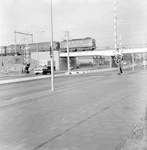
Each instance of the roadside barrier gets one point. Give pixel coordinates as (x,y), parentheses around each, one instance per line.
(97,70)
(91,71)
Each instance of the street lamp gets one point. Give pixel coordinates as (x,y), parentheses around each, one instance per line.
(51,54)
(132,47)
(143,52)
(15,41)
(68,61)
(132,43)
(37,48)
(115,26)
(143,55)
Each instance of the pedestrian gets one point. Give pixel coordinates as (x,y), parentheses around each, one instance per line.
(2,64)
(27,67)
(23,67)
(119,61)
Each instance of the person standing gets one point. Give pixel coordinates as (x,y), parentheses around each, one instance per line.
(2,64)
(27,67)
(119,61)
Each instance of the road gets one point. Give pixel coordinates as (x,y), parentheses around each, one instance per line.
(19,93)
(32,116)
(13,90)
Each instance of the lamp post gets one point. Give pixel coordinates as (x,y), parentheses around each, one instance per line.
(132,47)
(15,41)
(37,48)
(120,45)
(143,55)
(132,43)
(51,54)
(68,61)
(115,26)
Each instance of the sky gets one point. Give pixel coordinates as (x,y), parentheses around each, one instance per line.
(81,18)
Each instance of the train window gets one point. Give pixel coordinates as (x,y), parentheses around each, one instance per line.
(73,42)
(44,45)
(77,41)
(81,41)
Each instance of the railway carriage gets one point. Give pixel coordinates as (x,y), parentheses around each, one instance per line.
(20,49)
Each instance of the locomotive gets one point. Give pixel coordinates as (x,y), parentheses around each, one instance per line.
(81,44)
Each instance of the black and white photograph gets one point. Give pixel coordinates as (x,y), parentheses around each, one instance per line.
(73,75)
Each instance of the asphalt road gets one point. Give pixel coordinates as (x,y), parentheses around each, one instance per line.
(12,91)
(33,116)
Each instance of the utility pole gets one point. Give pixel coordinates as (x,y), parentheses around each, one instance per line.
(115,26)
(132,47)
(25,34)
(32,37)
(15,42)
(51,54)
(37,48)
(37,54)
(120,43)
(143,54)
(116,50)
(68,61)
(25,39)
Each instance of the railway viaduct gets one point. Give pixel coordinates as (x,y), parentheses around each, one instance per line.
(61,58)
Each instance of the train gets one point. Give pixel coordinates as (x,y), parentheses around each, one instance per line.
(20,49)
(81,44)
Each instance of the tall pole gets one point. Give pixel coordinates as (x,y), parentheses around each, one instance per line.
(115,33)
(51,55)
(26,40)
(132,47)
(15,41)
(143,54)
(37,54)
(120,43)
(115,26)
(121,48)
(37,47)
(68,61)
(32,37)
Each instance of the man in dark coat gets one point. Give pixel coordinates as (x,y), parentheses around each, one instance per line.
(118,61)
(27,67)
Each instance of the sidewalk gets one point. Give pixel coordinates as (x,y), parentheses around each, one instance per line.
(90,116)
(57,73)
(24,77)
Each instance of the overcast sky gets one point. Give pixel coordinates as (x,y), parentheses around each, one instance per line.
(82,18)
